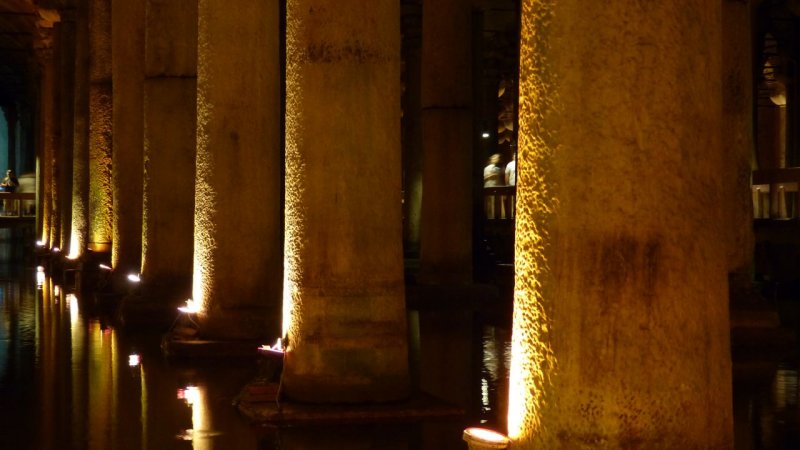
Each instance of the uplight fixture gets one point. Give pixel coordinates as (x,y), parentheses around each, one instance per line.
(276,348)
(485,135)
(56,250)
(134,278)
(103,267)
(190,307)
(40,243)
(484,439)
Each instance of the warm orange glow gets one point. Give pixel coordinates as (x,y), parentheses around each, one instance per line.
(190,307)
(481,438)
(532,361)
(75,245)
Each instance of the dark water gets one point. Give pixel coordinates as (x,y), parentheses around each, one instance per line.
(67,381)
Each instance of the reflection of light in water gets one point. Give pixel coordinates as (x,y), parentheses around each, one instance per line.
(74,313)
(785,389)
(133,360)
(195,397)
(40,277)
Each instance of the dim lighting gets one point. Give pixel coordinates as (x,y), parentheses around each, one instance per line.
(134,360)
(277,348)
(485,135)
(134,278)
(104,267)
(481,438)
(190,308)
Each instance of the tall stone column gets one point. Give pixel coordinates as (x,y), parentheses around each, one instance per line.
(100,127)
(238,239)
(12,119)
(64,176)
(47,143)
(620,326)
(447,180)
(128,138)
(344,293)
(170,120)
(738,134)
(77,232)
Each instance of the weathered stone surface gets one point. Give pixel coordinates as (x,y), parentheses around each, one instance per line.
(128,137)
(344,277)
(446,90)
(100,208)
(621,335)
(238,238)
(77,234)
(170,123)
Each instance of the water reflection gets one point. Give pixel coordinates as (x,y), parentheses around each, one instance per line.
(66,381)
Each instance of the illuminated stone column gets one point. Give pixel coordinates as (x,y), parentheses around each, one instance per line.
(238,239)
(47,143)
(62,195)
(620,327)
(447,180)
(170,105)
(128,137)
(77,234)
(100,127)
(344,293)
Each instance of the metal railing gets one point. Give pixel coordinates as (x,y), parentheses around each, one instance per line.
(499,203)
(17,205)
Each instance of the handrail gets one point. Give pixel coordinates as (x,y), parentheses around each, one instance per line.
(17,205)
(499,202)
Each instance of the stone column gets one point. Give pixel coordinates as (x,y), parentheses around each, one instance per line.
(738,134)
(100,127)
(446,230)
(344,293)
(128,137)
(238,239)
(170,105)
(47,143)
(62,195)
(11,120)
(620,327)
(77,233)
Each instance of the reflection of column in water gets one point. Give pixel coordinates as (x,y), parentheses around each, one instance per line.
(195,397)
(785,389)
(100,385)
(494,374)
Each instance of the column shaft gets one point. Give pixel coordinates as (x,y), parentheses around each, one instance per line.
(100,228)
(128,137)
(344,293)
(78,233)
(170,105)
(737,132)
(620,329)
(63,183)
(446,230)
(238,257)
(47,144)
